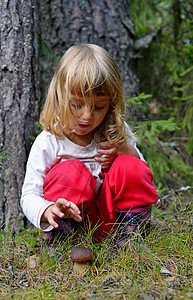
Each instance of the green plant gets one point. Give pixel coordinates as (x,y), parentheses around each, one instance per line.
(2,156)
(46,51)
(166,72)
(39,130)
(158,151)
(183,84)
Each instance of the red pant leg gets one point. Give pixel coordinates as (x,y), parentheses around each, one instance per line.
(71,180)
(127,184)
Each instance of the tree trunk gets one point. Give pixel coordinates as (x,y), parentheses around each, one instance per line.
(103,22)
(19,100)
(177,19)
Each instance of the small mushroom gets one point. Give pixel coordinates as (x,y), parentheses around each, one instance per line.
(82,257)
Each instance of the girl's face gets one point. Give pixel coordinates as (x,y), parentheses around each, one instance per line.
(88,115)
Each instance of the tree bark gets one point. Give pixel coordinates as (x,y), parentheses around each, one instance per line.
(177,19)
(103,22)
(18,99)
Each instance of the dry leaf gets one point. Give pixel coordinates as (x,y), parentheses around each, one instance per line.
(165,271)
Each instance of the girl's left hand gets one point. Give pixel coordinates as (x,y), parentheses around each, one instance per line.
(110,151)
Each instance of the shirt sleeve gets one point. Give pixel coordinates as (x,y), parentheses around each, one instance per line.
(133,143)
(41,159)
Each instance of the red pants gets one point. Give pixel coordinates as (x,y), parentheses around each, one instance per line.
(127,185)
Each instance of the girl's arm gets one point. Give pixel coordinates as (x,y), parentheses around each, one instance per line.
(41,159)
(42,213)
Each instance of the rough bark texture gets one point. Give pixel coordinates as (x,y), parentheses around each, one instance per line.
(103,22)
(19,100)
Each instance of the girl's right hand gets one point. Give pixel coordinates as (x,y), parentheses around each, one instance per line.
(60,210)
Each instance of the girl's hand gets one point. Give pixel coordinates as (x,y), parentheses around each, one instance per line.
(61,209)
(111,151)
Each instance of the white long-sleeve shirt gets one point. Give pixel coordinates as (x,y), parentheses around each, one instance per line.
(48,150)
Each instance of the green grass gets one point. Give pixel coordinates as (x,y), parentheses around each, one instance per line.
(159,269)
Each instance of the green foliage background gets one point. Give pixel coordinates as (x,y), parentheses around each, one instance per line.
(165,69)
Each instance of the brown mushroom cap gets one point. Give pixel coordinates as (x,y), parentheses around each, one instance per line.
(82,254)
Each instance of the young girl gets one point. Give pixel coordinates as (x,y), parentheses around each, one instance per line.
(85,163)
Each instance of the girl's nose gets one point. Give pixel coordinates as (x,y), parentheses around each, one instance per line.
(86,113)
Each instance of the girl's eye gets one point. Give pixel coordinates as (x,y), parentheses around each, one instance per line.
(99,107)
(76,105)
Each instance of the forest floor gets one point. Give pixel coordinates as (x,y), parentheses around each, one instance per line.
(161,268)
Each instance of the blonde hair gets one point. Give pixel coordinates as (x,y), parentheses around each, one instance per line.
(85,69)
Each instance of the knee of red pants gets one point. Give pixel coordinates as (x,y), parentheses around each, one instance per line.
(130,182)
(131,166)
(70,180)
